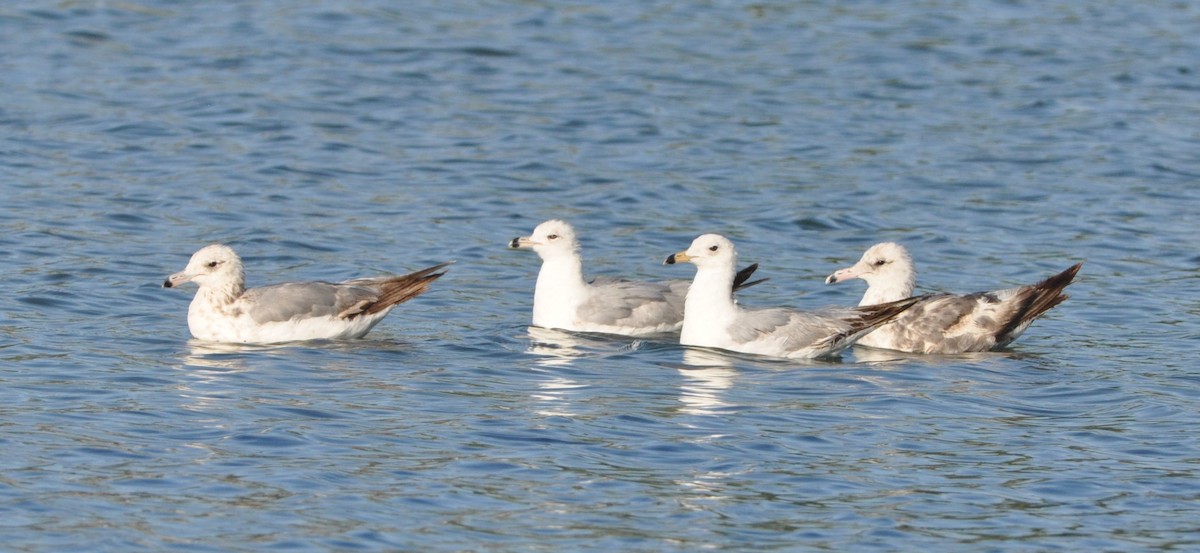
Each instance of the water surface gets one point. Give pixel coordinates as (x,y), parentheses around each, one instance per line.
(1001,141)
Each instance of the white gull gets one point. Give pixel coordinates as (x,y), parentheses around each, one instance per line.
(712,319)
(947,323)
(564,300)
(223,310)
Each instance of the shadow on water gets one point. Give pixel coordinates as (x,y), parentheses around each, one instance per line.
(888,358)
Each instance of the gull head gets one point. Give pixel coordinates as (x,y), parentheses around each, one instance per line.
(216,265)
(886,262)
(707,250)
(551,239)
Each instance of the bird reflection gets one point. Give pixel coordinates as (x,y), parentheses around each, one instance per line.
(216,358)
(708,376)
(555,394)
(560,348)
(209,365)
(554,347)
(556,350)
(875,356)
(883,358)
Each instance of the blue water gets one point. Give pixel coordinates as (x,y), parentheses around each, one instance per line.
(1000,141)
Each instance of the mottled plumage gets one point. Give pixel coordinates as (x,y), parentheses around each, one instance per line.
(948,323)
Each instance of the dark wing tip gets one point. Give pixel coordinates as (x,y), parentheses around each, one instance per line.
(752,283)
(406,287)
(871,316)
(742,276)
(1061,280)
(1039,298)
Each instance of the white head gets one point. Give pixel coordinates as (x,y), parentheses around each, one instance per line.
(709,308)
(886,266)
(216,266)
(553,239)
(708,250)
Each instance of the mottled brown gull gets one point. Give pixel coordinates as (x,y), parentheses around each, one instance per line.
(948,323)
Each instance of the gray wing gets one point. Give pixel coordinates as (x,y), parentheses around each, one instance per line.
(632,303)
(794,330)
(302,300)
(621,302)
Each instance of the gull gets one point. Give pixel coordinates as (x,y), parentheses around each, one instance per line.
(948,323)
(712,319)
(564,300)
(223,310)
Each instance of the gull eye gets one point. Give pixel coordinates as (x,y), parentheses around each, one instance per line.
(213,263)
(881,262)
(712,248)
(552,237)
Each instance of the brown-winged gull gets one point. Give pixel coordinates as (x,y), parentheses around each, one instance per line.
(223,310)
(712,319)
(947,323)
(564,300)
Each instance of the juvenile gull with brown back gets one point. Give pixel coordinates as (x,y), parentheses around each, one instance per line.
(947,323)
(223,310)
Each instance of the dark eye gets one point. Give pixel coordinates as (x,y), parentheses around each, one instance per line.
(880,262)
(712,248)
(213,263)
(552,237)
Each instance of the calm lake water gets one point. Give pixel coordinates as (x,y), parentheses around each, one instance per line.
(1001,141)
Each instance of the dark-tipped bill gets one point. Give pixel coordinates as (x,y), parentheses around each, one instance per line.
(521,243)
(176,279)
(680,257)
(841,275)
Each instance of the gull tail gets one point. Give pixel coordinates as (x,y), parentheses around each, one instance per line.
(739,280)
(1034,300)
(397,290)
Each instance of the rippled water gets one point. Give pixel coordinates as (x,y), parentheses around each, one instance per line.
(1001,141)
